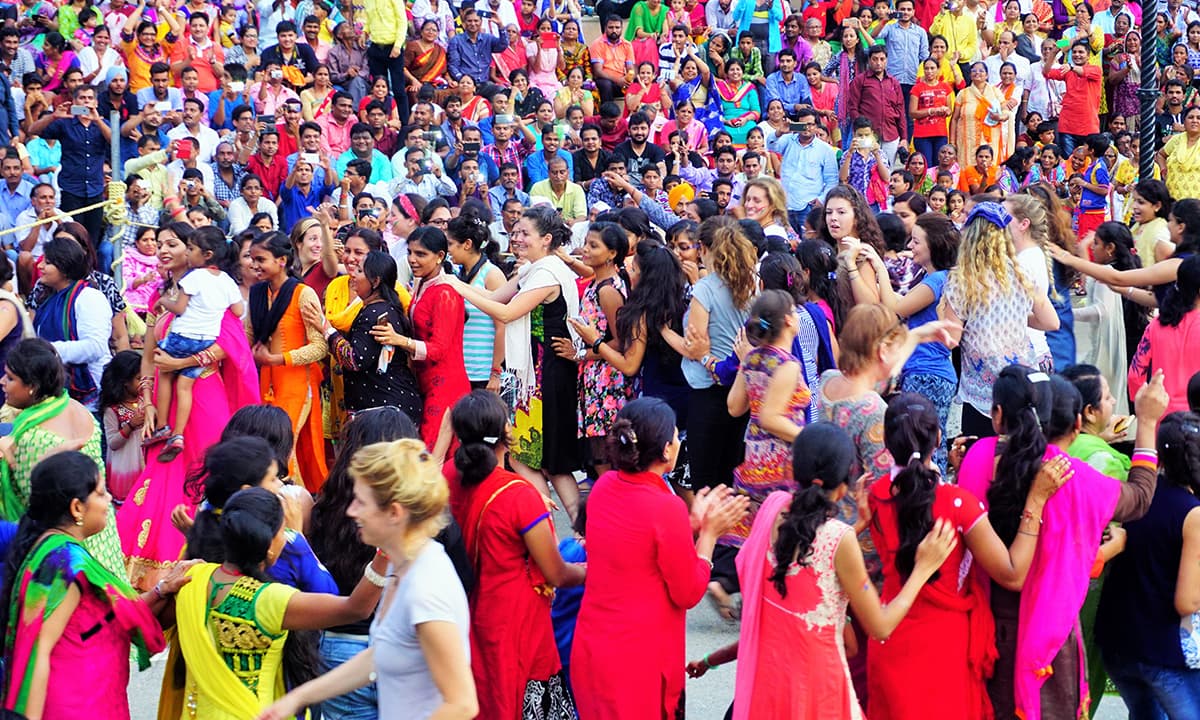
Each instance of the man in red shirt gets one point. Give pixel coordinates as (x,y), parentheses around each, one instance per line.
(1079,116)
(878,97)
(269,164)
(200,52)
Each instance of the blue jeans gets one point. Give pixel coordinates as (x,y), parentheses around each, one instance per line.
(178,346)
(361,704)
(798,217)
(1152,692)
(929,147)
(104,256)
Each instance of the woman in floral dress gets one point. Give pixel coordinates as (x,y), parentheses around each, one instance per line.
(603,389)
(771,388)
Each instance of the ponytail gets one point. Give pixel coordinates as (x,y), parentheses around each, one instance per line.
(911,433)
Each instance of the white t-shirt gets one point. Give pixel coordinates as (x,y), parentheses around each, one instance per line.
(209,296)
(1032,261)
(429,592)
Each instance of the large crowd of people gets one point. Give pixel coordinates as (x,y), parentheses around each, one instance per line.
(857,319)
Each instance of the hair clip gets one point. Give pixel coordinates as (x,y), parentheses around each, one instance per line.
(764,323)
(490,440)
(818,482)
(1038,377)
(832,275)
(916,455)
(629,437)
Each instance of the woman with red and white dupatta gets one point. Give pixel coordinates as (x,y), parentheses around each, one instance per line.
(150,542)
(950,625)
(791,653)
(1041,669)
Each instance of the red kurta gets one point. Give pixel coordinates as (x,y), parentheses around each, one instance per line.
(643,575)
(512,640)
(948,628)
(438,315)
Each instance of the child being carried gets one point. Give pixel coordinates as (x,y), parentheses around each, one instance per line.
(199,301)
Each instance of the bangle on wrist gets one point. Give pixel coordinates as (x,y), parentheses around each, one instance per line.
(708,663)
(596,345)
(373,577)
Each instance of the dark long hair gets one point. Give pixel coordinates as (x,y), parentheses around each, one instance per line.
(911,431)
(1178,450)
(54,483)
(380,269)
(1182,301)
(820,260)
(269,422)
(123,367)
(228,466)
(1025,407)
(657,299)
(1066,404)
(250,521)
(642,429)
(479,421)
(822,456)
(1187,213)
(1125,257)
(333,536)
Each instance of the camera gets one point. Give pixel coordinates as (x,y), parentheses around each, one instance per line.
(431,136)
(276,74)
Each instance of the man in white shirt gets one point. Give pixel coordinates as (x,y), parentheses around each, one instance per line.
(1007,44)
(1045,96)
(193,112)
(426,180)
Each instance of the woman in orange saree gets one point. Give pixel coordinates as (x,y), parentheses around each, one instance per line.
(425,61)
(288,348)
(979,115)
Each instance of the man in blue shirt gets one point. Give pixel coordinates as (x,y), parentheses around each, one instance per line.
(537,165)
(812,169)
(81,180)
(510,176)
(788,87)
(470,53)
(14,191)
(300,192)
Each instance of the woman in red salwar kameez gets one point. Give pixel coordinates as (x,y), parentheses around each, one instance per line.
(950,625)
(509,537)
(438,316)
(644,572)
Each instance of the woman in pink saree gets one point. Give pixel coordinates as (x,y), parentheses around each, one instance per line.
(149,540)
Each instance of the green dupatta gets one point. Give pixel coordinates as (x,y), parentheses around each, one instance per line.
(55,563)
(12,504)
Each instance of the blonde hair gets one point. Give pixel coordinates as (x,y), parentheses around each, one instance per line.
(402,471)
(1028,207)
(299,230)
(776,198)
(987,262)
(865,329)
(731,257)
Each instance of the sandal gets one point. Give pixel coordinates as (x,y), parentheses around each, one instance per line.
(173,448)
(723,603)
(160,435)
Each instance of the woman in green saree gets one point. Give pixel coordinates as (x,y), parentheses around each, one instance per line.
(49,422)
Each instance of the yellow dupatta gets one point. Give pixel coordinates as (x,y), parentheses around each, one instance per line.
(340,311)
(223,693)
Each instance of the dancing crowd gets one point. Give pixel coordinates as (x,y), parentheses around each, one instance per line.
(432,361)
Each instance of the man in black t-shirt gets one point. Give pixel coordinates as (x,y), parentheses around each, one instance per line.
(637,152)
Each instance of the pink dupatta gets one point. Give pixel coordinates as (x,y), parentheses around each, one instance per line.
(752,576)
(1072,523)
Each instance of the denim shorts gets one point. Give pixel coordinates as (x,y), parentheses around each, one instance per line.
(178,346)
(361,704)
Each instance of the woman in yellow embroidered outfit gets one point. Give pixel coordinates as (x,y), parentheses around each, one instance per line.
(1179,159)
(341,308)
(234,622)
(288,351)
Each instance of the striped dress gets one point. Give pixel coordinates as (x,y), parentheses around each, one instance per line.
(479,333)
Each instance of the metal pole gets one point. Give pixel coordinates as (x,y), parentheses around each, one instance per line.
(118,175)
(1148,92)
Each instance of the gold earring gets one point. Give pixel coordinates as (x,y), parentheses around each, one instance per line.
(79,521)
